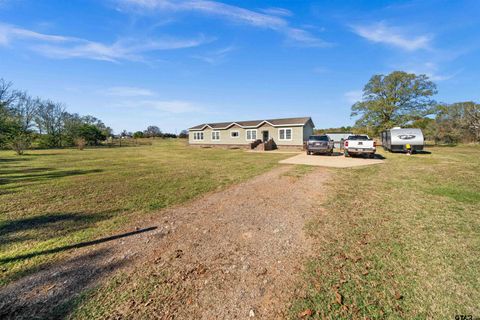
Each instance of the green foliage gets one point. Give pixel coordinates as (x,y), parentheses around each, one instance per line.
(152,131)
(138,134)
(344,129)
(91,134)
(394,100)
(24,119)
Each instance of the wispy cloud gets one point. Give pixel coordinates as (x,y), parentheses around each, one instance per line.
(270,20)
(277,12)
(9,33)
(353,96)
(167,106)
(128,92)
(395,36)
(431,70)
(64,47)
(215,57)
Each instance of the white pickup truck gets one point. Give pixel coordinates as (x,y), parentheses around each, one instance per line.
(359,144)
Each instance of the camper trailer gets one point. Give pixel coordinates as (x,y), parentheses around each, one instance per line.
(399,139)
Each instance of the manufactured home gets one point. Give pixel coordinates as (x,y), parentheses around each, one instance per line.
(267,134)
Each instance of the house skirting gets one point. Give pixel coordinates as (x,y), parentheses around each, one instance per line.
(242,146)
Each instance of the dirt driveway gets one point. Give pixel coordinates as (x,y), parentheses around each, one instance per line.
(233,254)
(335,161)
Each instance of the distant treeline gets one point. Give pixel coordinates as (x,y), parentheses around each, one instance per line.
(402,99)
(153,132)
(27,122)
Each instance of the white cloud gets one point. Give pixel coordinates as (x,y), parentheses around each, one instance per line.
(167,106)
(215,57)
(277,12)
(258,19)
(430,69)
(353,96)
(64,47)
(394,36)
(128,92)
(9,33)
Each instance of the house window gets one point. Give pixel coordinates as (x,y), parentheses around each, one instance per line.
(234,134)
(251,134)
(198,136)
(215,135)
(285,134)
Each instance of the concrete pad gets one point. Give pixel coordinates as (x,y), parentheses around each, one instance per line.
(334,161)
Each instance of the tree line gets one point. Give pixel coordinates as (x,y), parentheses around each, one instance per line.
(25,120)
(154,132)
(402,99)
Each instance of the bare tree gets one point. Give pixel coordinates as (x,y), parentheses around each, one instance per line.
(25,109)
(7,95)
(50,120)
(472,119)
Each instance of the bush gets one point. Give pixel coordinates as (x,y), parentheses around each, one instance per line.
(80,143)
(20,143)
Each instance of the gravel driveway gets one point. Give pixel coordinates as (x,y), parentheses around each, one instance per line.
(232,254)
(335,161)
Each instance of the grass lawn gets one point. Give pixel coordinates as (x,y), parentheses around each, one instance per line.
(399,240)
(55,198)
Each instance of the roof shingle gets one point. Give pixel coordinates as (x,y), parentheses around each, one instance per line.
(255,123)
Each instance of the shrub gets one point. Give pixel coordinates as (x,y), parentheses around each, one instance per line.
(80,143)
(20,143)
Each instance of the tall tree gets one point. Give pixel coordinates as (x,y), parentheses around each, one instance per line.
(472,119)
(50,121)
(394,100)
(25,110)
(8,123)
(153,131)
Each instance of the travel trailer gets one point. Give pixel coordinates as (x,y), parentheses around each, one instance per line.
(401,139)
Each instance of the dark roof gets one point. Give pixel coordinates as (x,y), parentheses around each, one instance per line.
(255,123)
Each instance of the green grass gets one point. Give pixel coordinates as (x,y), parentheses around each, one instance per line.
(55,198)
(399,240)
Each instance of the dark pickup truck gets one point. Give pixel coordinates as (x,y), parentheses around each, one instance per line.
(320,144)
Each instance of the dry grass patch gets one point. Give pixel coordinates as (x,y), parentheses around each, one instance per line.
(399,240)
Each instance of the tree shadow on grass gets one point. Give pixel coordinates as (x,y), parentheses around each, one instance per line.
(74,246)
(46,226)
(29,177)
(52,291)
(48,293)
(8,160)
(18,170)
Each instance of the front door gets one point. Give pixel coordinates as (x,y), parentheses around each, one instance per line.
(265,136)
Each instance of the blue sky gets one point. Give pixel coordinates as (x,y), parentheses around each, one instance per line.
(175,64)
